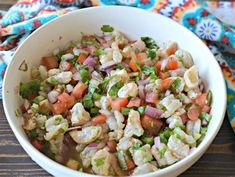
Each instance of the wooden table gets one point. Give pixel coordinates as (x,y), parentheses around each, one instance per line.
(218,161)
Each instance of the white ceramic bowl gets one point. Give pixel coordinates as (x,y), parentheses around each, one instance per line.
(135,23)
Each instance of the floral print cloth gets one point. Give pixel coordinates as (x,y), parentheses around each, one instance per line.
(27,15)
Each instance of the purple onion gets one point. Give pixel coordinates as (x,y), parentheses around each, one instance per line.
(141,92)
(93,145)
(83,46)
(192,150)
(90,61)
(157,142)
(108,66)
(77,77)
(153,112)
(96,75)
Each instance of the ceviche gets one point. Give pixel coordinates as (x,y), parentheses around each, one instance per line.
(108,105)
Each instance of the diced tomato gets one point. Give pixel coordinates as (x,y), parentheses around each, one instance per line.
(193,113)
(69,51)
(140,57)
(37,144)
(79,90)
(184,118)
(152,125)
(112,145)
(206,108)
(137,60)
(73,70)
(134,102)
(130,164)
(82,57)
(201,99)
(163,75)
(166,83)
(119,103)
(171,49)
(59,107)
(172,65)
(121,45)
(65,66)
(159,66)
(151,98)
(69,100)
(50,62)
(99,119)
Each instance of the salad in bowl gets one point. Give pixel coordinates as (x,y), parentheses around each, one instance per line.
(112,106)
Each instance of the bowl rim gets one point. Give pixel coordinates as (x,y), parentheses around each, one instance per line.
(41,157)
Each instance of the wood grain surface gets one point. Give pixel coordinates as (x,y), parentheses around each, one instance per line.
(218,161)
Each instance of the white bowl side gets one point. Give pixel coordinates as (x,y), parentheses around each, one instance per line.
(135,23)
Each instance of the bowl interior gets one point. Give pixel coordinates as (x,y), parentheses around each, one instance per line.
(133,22)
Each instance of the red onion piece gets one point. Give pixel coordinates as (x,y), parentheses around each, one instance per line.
(107,66)
(77,77)
(96,75)
(93,145)
(192,150)
(153,112)
(151,98)
(141,92)
(157,142)
(90,61)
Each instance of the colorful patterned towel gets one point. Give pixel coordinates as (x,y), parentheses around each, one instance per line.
(27,15)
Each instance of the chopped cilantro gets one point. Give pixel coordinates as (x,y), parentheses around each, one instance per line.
(162,151)
(59,55)
(38,99)
(99,52)
(30,89)
(205,116)
(115,88)
(33,133)
(148,70)
(147,140)
(87,101)
(149,42)
(84,75)
(175,85)
(122,160)
(94,111)
(151,53)
(125,111)
(209,98)
(99,162)
(165,135)
(107,28)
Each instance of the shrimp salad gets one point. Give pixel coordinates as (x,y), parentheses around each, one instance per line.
(108,105)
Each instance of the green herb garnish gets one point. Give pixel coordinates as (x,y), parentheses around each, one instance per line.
(175,85)
(209,98)
(84,75)
(141,110)
(205,116)
(115,88)
(87,101)
(151,53)
(149,42)
(147,140)
(107,28)
(30,89)
(33,133)
(125,111)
